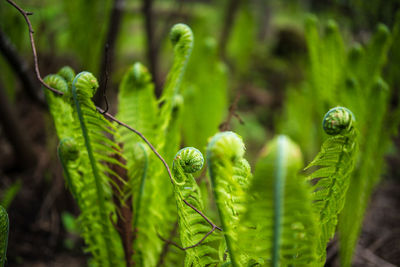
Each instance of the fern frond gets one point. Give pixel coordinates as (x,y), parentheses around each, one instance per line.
(158,190)
(335,161)
(60,108)
(367,175)
(99,148)
(230,174)
(182,39)
(137,104)
(279,226)
(192,225)
(4,228)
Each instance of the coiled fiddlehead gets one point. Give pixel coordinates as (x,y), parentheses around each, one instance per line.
(331,180)
(192,225)
(230,174)
(338,120)
(187,160)
(67,73)
(4,228)
(59,106)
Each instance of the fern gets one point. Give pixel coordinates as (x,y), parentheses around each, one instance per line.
(367,174)
(138,108)
(279,226)
(182,39)
(230,174)
(4,228)
(335,162)
(374,125)
(60,109)
(98,148)
(164,131)
(192,225)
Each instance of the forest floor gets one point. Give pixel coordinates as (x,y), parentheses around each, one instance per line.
(38,238)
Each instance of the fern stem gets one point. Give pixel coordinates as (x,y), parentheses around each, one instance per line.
(99,188)
(280,177)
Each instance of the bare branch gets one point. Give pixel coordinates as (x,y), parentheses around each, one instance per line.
(224,126)
(35,58)
(202,215)
(112,118)
(189,247)
(107,62)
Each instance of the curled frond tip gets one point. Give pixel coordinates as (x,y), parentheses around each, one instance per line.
(338,120)
(190,159)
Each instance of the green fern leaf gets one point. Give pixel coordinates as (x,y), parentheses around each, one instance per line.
(182,39)
(60,108)
(230,174)
(99,149)
(367,175)
(279,226)
(192,225)
(335,162)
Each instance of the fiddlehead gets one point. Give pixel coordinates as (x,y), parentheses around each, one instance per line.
(230,174)
(67,73)
(60,107)
(338,120)
(182,39)
(4,228)
(335,163)
(194,229)
(187,160)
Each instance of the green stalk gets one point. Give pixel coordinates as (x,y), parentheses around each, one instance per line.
(280,176)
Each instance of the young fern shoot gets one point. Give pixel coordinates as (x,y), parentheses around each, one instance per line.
(194,229)
(279,226)
(230,176)
(335,163)
(98,148)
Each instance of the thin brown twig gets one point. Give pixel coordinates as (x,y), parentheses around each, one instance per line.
(106,115)
(189,247)
(111,117)
(106,51)
(35,58)
(224,126)
(202,215)
(21,69)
